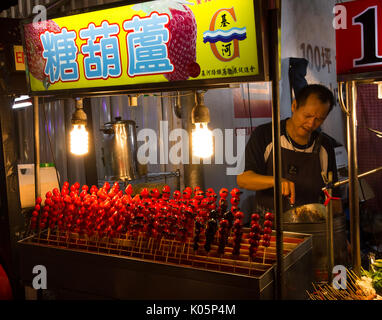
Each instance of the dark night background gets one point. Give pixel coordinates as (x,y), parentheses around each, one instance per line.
(6,4)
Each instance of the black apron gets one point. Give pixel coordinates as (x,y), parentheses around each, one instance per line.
(304,169)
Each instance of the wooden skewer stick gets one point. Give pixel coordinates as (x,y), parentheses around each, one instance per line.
(156,249)
(319,292)
(140,243)
(181,252)
(350,285)
(118,237)
(107,244)
(168,251)
(192,264)
(121,243)
(152,244)
(311,296)
(188,250)
(328,292)
(97,244)
(176,251)
(48,235)
(265,249)
(67,238)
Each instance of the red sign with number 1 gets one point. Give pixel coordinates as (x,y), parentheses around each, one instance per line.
(359,36)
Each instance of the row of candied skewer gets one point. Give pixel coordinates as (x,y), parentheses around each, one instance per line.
(110,212)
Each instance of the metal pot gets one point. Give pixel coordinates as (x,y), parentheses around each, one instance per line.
(307,213)
(311,219)
(120,150)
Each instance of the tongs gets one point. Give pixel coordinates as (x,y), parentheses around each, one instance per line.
(292,205)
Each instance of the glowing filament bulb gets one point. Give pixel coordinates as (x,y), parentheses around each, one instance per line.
(79,140)
(202,145)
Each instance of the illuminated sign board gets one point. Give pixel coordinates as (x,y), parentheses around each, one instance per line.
(19,58)
(358,36)
(161,43)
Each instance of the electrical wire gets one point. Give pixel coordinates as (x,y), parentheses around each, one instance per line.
(249,107)
(249,110)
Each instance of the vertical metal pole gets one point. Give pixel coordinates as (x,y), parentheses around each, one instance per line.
(353,178)
(329,232)
(36,119)
(275,22)
(90,162)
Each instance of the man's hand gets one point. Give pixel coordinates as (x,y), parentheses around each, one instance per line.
(287,189)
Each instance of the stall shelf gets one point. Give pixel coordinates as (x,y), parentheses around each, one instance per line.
(129,268)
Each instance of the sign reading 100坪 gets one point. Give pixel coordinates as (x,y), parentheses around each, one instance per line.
(153,42)
(359,37)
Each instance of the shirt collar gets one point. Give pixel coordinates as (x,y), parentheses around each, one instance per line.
(313,136)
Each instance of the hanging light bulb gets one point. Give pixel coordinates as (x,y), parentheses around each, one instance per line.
(79,137)
(202,142)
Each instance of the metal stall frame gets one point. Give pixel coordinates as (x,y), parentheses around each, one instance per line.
(348,107)
(271,28)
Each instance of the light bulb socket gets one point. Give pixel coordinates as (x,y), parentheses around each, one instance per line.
(79,115)
(133,101)
(200,112)
(177,106)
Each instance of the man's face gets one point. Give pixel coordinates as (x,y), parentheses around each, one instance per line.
(309,117)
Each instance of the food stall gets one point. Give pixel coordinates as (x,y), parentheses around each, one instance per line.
(358,62)
(115,241)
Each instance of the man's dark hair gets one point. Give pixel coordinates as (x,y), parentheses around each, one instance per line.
(321,92)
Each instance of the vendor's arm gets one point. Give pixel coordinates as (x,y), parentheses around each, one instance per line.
(252,181)
(254,176)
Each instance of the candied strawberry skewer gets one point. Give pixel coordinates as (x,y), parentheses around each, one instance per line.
(268,223)
(35,215)
(149,228)
(235,199)
(190,216)
(172,220)
(238,233)
(254,235)
(229,216)
(166,193)
(212,227)
(186,196)
(223,235)
(223,203)
(198,230)
(55,207)
(160,221)
(182,225)
(155,195)
(203,209)
(212,197)
(46,212)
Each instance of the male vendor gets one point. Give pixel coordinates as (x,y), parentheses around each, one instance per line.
(305,153)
